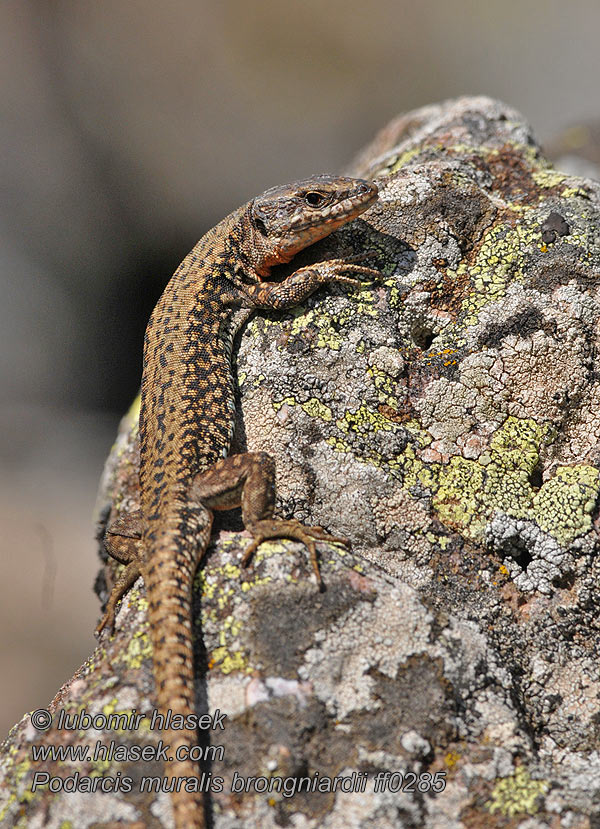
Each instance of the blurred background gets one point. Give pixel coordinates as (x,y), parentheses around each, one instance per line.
(130,128)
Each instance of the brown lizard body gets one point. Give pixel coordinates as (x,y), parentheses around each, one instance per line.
(187,419)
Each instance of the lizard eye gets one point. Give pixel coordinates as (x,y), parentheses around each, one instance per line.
(314,198)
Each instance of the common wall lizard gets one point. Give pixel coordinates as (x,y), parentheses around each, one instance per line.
(187,420)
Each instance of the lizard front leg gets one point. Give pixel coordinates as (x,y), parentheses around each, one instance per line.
(305,281)
(248,480)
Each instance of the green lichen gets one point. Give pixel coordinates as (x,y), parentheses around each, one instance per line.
(229,661)
(130,420)
(133,414)
(18,771)
(220,586)
(405,466)
(286,401)
(401,160)
(517,794)
(319,327)
(442,540)
(466,493)
(110,708)
(363,303)
(339,445)
(420,436)
(224,584)
(228,655)
(136,600)
(572,192)
(323,327)
(100,767)
(224,656)
(411,469)
(394,293)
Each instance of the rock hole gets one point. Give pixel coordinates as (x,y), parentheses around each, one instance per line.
(535,478)
(564,582)
(521,554)
(423,337)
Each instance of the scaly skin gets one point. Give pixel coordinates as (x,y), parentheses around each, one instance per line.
(187,419)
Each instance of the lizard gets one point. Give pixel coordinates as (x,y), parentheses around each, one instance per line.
(187,418)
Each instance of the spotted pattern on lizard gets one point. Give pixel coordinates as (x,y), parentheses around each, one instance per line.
(187,419)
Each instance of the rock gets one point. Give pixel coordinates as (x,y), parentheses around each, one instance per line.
(446,418)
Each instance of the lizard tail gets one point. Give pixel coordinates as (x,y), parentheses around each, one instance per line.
(174,553)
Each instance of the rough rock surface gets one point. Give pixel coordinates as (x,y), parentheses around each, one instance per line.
(447,419)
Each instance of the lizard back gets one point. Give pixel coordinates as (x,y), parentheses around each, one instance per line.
(187,417)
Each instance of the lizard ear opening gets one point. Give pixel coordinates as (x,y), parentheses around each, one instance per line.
(260,225)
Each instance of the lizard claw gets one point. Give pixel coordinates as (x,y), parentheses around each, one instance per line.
(322,535)
(358,257)
(281,528)
(107,621)
(338,267)
(126,579)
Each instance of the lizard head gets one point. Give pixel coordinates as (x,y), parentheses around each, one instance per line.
(287,219)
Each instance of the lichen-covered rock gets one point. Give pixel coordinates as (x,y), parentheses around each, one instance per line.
(446,418)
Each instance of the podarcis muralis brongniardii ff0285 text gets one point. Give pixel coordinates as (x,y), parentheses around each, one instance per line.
(187,419)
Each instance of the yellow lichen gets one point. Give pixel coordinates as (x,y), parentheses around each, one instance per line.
(501,258)
(384,384)
(548,178)
(564,505)
(469,492)
(365,419)
(517,794)
(315,408)
(399,161)
(229,661)
(138,649)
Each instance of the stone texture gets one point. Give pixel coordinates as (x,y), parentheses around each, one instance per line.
(446,418)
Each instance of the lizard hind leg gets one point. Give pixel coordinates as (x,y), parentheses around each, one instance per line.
(268,528)
(123,543)
(248,480)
